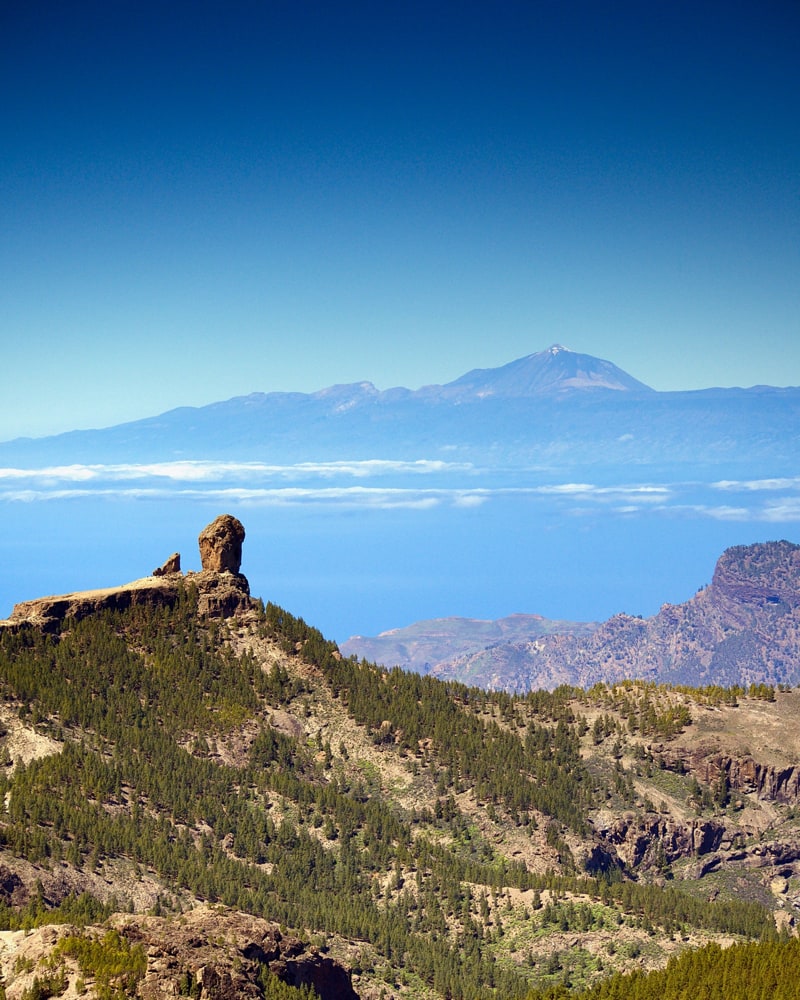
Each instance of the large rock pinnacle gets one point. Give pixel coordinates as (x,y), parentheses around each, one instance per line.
(222,591)
(221,544)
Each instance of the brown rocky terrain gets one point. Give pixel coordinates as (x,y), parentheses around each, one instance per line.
(744,628)
(223,590)
(209,953)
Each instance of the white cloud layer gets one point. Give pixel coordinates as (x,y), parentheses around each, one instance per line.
(209,471)
(330,484)
(758,485)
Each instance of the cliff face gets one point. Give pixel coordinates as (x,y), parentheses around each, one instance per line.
(636,839)
(209,953)
(220,595)
(222,590)
(744,775)
(759,577)
(742,629)
(224,953)
(48,613)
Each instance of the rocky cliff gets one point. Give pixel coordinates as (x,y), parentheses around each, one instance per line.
(208,953)
(222,590)
(742,629)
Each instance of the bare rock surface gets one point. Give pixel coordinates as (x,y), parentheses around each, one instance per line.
(222,590)
(221,595)
(221,544)
(634,838)
(206,953)
(170,566)
(49,612)
(222,952)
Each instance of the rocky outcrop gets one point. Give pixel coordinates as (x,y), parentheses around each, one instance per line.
(773,854)
(12,889)
(220,954)
(172,565)
(48,613)
(653,839)
(209,954)
(222,590)
(221,595)
(221,545)
(746,775)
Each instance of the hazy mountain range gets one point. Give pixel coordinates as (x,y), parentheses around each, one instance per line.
(554,409)
(744,628)
(427,646)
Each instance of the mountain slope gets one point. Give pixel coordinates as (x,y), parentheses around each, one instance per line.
(425,644)
(742,629)
(553,410)
(556,370)
(432,839)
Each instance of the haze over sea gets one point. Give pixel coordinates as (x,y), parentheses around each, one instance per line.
(353,572)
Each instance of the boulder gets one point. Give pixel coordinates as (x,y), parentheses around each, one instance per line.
(171,565)
(221,545)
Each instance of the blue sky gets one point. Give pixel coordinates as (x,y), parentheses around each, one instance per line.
(203,200)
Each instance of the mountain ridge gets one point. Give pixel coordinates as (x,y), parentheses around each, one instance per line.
(744,628)
(550,406)
(543,371)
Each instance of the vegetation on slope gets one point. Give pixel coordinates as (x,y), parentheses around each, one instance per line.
(741,972)
(178,762)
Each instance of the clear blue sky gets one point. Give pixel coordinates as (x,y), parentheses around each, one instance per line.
(200,200)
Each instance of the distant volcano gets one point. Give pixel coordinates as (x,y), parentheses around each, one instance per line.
(555,370)
(551,411)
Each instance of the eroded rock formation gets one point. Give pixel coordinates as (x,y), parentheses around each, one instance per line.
(48,613)
(222,590)
(636,838)
(744,774)
(172,565)
(222,953)
(207,953)
(221,595)
(221,544)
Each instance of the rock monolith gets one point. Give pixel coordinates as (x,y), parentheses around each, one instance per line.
(221,544)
